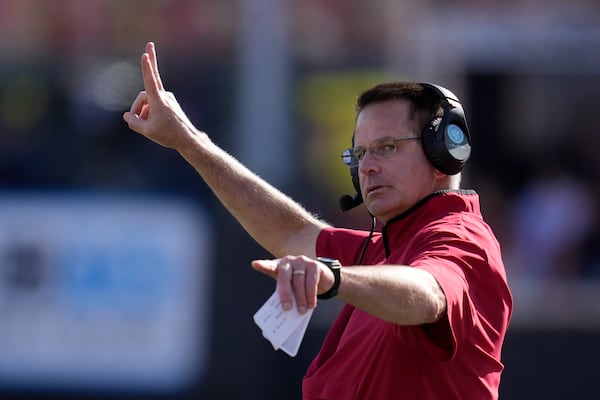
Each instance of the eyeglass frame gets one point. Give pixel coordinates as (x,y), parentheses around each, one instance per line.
(351,160)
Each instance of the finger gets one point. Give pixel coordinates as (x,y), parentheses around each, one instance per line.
(151,50)
(138,103)
(310,285)
(284,284)
(133,117)
(299,285)
(267,267)
(310,280)
(150,84)
(145,113)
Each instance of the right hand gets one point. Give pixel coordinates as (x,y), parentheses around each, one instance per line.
(299,277)
(155,113)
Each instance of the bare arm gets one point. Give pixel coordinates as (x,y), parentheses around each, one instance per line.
(274,220)
(402,295)
(399,294)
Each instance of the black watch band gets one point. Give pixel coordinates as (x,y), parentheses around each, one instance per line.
(335,267)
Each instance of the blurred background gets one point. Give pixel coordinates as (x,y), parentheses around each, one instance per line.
(121,276)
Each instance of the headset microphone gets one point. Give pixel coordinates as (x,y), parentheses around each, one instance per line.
(348,202)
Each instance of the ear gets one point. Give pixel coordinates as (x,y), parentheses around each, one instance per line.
(438,175)
(446,181)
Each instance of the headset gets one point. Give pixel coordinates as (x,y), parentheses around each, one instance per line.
(446,142)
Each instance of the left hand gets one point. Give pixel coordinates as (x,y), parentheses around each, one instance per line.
(297,277)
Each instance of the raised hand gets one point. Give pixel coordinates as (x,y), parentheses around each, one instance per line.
(155,113)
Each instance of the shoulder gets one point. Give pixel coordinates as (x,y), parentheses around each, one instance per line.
(342,243)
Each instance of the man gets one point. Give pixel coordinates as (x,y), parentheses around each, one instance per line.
(427,310)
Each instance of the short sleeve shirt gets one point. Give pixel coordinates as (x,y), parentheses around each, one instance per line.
(458,357)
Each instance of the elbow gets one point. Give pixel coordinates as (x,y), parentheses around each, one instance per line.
(437,306)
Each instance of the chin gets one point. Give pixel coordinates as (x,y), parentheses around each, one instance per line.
(378,210)
(382,211)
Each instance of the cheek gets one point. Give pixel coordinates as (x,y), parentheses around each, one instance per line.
(412,174)
(419,164)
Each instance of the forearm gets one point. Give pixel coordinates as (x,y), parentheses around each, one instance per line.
(275,221)
(399,294)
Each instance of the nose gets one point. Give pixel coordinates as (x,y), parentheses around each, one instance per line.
(368,164)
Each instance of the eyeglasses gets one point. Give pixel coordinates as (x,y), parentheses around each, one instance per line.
(384,147)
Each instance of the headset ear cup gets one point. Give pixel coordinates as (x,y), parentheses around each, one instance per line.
(446,140)
(428,140)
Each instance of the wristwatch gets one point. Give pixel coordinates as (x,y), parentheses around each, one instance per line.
(335,267)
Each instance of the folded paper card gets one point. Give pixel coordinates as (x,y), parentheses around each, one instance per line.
(284,329)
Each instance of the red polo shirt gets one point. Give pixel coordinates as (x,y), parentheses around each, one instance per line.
(364,357)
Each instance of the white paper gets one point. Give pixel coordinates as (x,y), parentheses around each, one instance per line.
(284,329)
(292,343)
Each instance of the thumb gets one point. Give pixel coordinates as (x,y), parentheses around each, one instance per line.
(134,121)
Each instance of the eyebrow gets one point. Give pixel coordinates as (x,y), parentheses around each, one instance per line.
(381,139)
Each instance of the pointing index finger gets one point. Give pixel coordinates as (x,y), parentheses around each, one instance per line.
(150,84)
(151,50)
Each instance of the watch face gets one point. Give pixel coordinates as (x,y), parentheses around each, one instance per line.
(331,262)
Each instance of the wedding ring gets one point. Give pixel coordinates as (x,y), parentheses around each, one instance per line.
(298,272)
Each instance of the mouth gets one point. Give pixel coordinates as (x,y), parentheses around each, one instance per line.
(374,189)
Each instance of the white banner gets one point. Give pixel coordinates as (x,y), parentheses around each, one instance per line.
(104,292)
